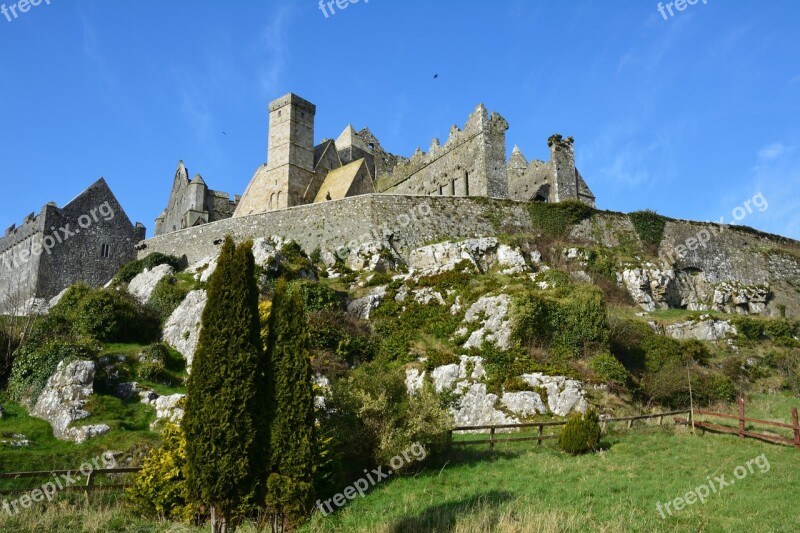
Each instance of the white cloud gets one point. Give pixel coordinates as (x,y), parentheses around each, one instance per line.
(772,151)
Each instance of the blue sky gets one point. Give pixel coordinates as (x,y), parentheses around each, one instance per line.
(690,116)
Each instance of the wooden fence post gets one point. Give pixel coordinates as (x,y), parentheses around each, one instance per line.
(491,439)
(89,485)
(741,418)
(796,428)
(541,430)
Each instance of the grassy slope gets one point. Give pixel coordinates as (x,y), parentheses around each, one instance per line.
(520,488)
(526,489)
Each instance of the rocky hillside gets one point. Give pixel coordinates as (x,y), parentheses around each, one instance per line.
(594,309)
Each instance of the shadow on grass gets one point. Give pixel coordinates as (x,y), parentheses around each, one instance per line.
(442,518)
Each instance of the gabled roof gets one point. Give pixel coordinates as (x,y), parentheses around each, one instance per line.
(339,181)
(350,137)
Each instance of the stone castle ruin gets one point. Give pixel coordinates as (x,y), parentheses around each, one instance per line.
(87,240)
(192,203)
(472,162)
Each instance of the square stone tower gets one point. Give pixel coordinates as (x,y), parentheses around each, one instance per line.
(282,182)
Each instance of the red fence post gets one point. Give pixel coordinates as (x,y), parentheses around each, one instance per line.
(796,428)
(741,418)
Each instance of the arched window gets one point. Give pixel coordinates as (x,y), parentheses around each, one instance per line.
(272,202)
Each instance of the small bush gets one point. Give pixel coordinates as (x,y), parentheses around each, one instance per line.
(108,315)
(571,323)
(669,386)
(35,363)
(609,369)
(137,266)
(581,434)
(155,353)
(159,488)
(318,297)
(153,371)
(167,296)
(649,225)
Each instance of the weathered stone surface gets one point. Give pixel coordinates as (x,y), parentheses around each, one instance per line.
(182,330)
(477,408)
(649,286)
(373,256)
(414,380)
(57,298)
(704,329)
(524,403)
(363,307)
(142,286)
(203,268)
(427,295)
(495,323)
(512,259)
(168,407)
(563,395)
(63,398)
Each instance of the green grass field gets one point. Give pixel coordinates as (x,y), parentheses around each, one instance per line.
(521,488)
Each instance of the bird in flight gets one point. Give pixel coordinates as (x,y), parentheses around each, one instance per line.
(224,133)
(435,76)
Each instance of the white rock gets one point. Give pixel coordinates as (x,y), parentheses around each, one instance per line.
(563,395)
(167,408)
(477,408)
(495,325)
(265,254)
(182,330)
(414,380)
(203,268)
(373,256)
(141,287)
(524,403)
(63,398)
(512,259)
(363,307)
(702,330)
(427,295)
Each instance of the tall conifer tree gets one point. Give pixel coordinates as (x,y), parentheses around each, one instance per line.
(225,422)
(290,489)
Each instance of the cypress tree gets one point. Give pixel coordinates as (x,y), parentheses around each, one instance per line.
(224,421)
(290,489)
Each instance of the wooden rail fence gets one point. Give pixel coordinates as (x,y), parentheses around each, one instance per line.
(88,487)
(741,431)
(540,436)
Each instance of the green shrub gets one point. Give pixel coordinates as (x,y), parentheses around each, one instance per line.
(555,219)
(749,328)
(155,353)
(137,266)
(35,363)
(167,296)
(153,371)
(159,488)
(372,417)
(649,225)
(437,358)
(108,315)
(337,333)
(609,369)
(571,323)
(450,279)
(581,434)
(669,386)
(318,297)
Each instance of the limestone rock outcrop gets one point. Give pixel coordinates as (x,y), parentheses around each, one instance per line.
(62,401)
(141,287)
(492,313)
(182,329)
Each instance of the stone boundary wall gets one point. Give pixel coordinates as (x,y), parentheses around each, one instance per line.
(406,221)
(409,221)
